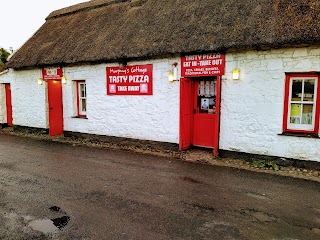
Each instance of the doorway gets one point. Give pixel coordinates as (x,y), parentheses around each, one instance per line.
(8,104)
(200,112)
(55,107)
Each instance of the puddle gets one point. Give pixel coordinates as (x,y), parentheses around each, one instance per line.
(49,225)
(44,226)
(61,222)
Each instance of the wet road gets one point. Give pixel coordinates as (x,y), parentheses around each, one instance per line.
(55,191)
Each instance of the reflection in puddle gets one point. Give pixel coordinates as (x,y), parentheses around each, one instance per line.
(45,226)
(61,222)
(49,225)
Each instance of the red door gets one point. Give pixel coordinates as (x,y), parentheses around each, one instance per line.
(55,107)
(185,113)
(204,112)
(200,112)
(8,104)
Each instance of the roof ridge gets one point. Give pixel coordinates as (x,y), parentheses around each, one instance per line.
(89,7)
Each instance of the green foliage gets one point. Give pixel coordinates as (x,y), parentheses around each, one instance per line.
(265,164)
(4,54)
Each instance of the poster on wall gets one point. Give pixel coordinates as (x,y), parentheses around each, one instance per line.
(203,65)
(131,80)
(52,73)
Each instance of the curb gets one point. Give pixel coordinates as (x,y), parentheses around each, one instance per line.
(199,156)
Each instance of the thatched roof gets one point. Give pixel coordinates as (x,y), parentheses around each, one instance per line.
(109,30)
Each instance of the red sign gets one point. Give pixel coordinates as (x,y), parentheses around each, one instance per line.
(52,73)
(131,80)
(203,65)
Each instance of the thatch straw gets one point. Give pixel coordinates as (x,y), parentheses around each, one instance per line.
(109,30)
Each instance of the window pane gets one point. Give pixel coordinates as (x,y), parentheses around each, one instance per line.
(308,90)
(296,90)
(206,96)
(83,105)
(295,113)
(307,112)
(82,90)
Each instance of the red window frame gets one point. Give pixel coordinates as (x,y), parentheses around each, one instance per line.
(287,94)
(78,82)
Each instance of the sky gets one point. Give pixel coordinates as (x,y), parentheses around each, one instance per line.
(20,19)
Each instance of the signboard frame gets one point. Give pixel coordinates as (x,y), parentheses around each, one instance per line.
(52,73)
(199,65)
(130,80)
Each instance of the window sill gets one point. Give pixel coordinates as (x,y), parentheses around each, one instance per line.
(83,117)
(294,134)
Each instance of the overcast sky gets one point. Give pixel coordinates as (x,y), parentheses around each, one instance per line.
(20,19)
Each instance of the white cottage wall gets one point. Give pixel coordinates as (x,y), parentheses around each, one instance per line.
(252,107)
(29,101)
(3,115)
(154,117)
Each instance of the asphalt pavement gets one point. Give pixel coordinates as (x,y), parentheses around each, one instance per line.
(53,190)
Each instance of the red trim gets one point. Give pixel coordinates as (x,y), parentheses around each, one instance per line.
(286,102)
(299,131)
(217,123)
(78,97)
(316,124)
(8,104)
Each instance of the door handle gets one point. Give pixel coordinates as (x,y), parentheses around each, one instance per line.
(51,108)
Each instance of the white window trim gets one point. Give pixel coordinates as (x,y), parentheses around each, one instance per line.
(79,98)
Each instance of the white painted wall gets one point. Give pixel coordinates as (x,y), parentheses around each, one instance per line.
(252,107)
(154,117)
(3,112)
(29,100)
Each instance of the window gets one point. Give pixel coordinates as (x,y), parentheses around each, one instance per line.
(206,100)
(301,110)
(81,98)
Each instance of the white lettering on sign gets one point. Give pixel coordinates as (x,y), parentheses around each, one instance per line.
(118,79)
(122,88)
(202,57)
(205,63)
(137,69)
(138,79)
(117,71)
(133,88)
(187,64)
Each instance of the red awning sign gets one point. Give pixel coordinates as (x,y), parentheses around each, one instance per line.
(131,80)
(52,73)
(203,65)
